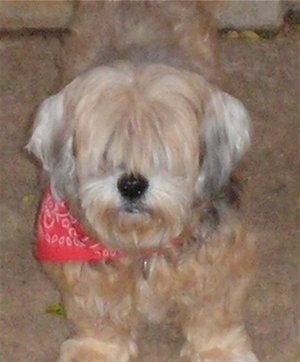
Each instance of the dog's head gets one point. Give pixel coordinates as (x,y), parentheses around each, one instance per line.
(138,146)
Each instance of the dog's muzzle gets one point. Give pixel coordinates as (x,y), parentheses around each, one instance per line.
(132,187)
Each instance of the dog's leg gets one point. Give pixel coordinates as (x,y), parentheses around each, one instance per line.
(98,302)
(213,323)
(101,335)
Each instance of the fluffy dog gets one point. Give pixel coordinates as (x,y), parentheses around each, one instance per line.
(140,216)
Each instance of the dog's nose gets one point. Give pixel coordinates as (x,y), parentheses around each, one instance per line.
(132,187)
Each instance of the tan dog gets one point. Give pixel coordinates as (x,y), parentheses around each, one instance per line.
(140,216)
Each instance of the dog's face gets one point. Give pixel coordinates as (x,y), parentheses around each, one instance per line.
(139,146)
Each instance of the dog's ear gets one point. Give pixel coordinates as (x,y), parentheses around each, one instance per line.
(50,141)
(226,133)
(47,129)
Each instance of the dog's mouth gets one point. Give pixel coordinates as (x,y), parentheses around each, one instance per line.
(132,209)
(135,208)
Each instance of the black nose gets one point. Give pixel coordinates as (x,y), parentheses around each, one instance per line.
(132,187)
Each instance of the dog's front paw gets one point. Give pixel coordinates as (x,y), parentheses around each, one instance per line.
(82,349)
(218,355)
(87,349)
(244,357)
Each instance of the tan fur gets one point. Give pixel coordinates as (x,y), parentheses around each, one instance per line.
(134,134)
(107,301)
(140,102)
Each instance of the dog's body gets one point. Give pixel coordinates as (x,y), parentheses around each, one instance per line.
(179,33)
(141,147)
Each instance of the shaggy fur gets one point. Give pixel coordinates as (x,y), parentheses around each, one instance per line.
(138,101)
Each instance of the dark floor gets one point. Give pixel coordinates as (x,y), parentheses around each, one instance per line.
(265,75)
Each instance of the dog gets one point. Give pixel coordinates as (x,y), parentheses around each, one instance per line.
(141,214)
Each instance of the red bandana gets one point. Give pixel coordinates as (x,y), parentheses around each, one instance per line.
(60,237)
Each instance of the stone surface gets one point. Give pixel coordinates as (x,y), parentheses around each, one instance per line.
(16,15)
(251,14)
(28,74)
(255,14)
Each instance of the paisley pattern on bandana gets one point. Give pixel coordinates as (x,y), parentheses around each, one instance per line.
(60,237)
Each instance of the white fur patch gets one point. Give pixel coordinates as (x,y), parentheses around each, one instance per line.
(226,137)
(47,125)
